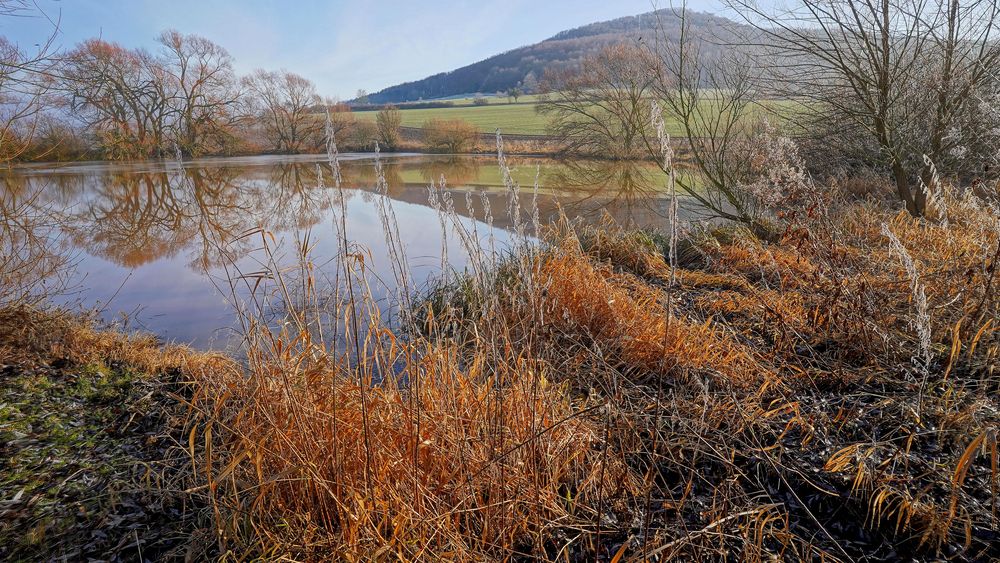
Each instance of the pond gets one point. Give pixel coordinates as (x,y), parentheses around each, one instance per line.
(155,244)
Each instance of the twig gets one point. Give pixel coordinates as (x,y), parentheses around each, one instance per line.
(700,532)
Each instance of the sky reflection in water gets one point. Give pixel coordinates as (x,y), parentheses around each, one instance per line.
(151,239)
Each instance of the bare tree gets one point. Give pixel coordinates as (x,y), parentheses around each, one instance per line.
(903,77)
(205,91)
(602,108)
(21,103)
(709,97)
(25,81)
(389,121)
(284,102)
(122,95)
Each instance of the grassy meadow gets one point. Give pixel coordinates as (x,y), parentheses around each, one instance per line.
(523,118)
(515,119)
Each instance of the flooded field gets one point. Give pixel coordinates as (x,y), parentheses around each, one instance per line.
(157,244)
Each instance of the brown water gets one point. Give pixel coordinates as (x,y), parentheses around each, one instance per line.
(156,243)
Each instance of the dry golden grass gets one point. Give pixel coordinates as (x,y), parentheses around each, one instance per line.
(443,459)
(29,335)
(586,399)
(624,317)
(792,398)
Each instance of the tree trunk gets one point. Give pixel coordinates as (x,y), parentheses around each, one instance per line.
(915,203)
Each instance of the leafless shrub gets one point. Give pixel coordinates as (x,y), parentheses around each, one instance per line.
(711,100)
(388,122)
(892,82)
(452,136)
(779,182)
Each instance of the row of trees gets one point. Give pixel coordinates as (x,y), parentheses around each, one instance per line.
(905,89)
(186,98)
(101,99)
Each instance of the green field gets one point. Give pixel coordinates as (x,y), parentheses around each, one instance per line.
(498,100)
(516,119)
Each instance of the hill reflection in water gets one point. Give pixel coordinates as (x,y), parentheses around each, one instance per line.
(152,239)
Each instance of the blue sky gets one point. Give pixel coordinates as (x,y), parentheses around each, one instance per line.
(340,45)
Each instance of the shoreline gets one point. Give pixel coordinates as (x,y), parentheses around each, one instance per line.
(407,151)
(578,368)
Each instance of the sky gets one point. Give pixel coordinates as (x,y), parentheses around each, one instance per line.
(342,46)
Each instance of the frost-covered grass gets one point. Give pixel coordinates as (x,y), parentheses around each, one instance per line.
(823,387)
(90,423)
(584,397)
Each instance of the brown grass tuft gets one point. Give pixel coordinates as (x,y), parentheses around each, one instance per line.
(622,316)
(465,459)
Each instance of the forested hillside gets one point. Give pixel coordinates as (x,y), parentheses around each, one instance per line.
(525,67)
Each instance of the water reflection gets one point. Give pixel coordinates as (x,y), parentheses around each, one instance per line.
(633,193)
(155,236)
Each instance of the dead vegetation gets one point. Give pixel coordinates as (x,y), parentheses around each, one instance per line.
(827,394)
(854,425)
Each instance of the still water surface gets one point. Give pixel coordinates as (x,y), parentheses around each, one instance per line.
(152,242)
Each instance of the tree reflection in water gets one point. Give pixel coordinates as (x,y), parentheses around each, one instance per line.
(175,227)
(33,265)
(632,193)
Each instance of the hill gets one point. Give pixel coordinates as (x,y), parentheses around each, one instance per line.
(525,66)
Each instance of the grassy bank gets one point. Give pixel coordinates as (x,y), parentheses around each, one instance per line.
(91,427)
(824,392)
(827,394)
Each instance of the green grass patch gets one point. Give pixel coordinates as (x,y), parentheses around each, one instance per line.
(523,118)
(516,119)
(79,448)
